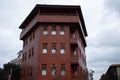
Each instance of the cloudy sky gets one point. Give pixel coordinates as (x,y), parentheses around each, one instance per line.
(102,18)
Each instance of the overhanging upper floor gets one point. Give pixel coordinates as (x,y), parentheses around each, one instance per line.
(53,13)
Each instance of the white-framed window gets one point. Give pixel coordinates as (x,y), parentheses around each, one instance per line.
(44,49)
(53,33)
(53,48)
(53,70)
(63,70)
(44,69)
(45,30)
(62,51)
(44,72)
(53,30)
(62,30)
(62,48)
(62,33)
(53,51)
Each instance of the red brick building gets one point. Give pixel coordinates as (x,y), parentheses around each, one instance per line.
(54,44)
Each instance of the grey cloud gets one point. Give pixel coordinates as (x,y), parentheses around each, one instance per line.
(112,5)
(104,54)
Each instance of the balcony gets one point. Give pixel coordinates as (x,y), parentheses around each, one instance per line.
(74,50)
(75,75)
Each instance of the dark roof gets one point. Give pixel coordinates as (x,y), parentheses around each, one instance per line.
(113,66)
(38,7)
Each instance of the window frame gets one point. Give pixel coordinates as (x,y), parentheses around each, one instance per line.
(44,49)
(62,48)
(44,70)
(53,32)
(63,68)
(53,50)
(45,30)
(62,30)
(53,70)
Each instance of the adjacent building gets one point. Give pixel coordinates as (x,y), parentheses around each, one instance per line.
(113,73)
(54,43)
(18,60)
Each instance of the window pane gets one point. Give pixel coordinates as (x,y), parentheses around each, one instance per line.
(44,50)
(74,53)
(45,32)
(53,72)
(43,72)
(63,72)
(53,51)
(62,32)
(62,51)
(53,32)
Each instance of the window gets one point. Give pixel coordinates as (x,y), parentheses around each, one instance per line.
(63,70)
(53,72)
(24,43)
(31,71)
(74,53)
(33,34)
(44,48)
(73,35)
(73,32)
(32,52)
(62,48)
(45,29)
(74,50)
(53,30)
(53,48)
(28,73)
(29,53)
(44,69)
(30,38)
(25,56)
(62,30)
(74,69)
(22,57)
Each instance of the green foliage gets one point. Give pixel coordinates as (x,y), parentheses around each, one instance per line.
(6,71)
(104,77)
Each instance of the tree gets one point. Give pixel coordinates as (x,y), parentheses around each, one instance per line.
(4,73)
(104,77)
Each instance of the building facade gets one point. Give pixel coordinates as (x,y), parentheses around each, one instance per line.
(54,44)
